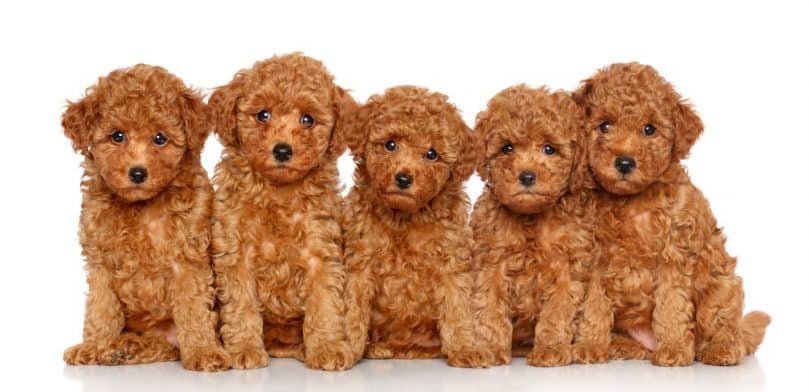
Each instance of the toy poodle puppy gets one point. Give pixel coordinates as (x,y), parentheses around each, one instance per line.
(277,240)
(145,222)
(407,239)
(669,279)
(532,229)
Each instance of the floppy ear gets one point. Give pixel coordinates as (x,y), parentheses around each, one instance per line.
(688,127)
(223,109)
(580,174)
(468,156)
(78,122)
(483,126)
(344,107)
(196,119)
(581,94)
(354,128)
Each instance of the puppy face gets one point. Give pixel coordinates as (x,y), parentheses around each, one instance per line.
(282,114)
(412,143)
(637,126)
(136,125)
(533,153)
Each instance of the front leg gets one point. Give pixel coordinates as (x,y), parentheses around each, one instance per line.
(193,300)
(103,320)
(324,329)
(553,335)
(493,316)
(673,317)
(358,295)
(594,326)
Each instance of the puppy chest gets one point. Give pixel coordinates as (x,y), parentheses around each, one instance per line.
(281,270)
(406,297)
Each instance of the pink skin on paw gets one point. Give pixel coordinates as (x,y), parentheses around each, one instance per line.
(170,333)
(645,337)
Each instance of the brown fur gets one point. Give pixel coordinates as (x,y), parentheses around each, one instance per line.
(407,253)
(534,244)
(146,245)
(277,238)
(663,262)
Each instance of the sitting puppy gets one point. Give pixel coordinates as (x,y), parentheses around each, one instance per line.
(277,239)
(670,281)
(532,228)
(407,239)
(145,222)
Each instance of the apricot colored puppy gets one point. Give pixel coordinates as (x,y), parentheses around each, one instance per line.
(407,249)
(533,229)
(669,280)
(145,222)
(277,238)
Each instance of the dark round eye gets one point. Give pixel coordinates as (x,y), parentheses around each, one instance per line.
(263,116)
(605,126)
(548,149)
(307,121)
(390,145)
(160,139)
(431,155)
(118,137)
(507,148)
(649,130)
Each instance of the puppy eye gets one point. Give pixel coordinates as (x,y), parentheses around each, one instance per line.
(507,149)
(649,130)
(307,121)
(117,137)
(160,139)
(605,126)
(390,145)
(548,149)
(263,116)
(431,155)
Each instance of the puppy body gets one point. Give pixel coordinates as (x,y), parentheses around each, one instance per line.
(533,235)
(146,243)
(664,264)
(407,252)
(277,239)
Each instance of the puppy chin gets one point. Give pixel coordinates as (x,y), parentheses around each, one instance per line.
(283,174)
(136,194)
(529,204)
(620,186)
(401,202)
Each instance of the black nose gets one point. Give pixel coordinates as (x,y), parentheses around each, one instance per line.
(282,152)
(528,178)
(138,175)
(624,164)
(403,181)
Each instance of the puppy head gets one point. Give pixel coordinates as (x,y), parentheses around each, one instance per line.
(136,125)
(532,146)
(637,126)
(412,143)
(283,114)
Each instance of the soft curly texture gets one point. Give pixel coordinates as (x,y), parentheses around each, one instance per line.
(532,228)
(407,243)
(666,273)
(145,243)
(277,241)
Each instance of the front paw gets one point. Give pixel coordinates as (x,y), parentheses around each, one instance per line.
(206,359)
(588,353)
(470,359)
(721,354)
(673,355)
(248,357)
(555,355)
(85,353)
(334,356)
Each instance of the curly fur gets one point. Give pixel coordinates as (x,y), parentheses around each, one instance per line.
(534,243)
(276,234)
(146,245)
(664,264)
(407,252)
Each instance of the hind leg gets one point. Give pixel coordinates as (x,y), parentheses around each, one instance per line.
(719,314)
(132,348)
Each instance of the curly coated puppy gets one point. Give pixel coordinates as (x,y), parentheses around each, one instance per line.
(532,228)
(145,222)
(277,240)
(669,280)
(407,239)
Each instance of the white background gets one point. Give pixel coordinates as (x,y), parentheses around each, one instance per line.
(744,66)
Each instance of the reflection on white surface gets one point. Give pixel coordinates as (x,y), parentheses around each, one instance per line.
(415,375)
